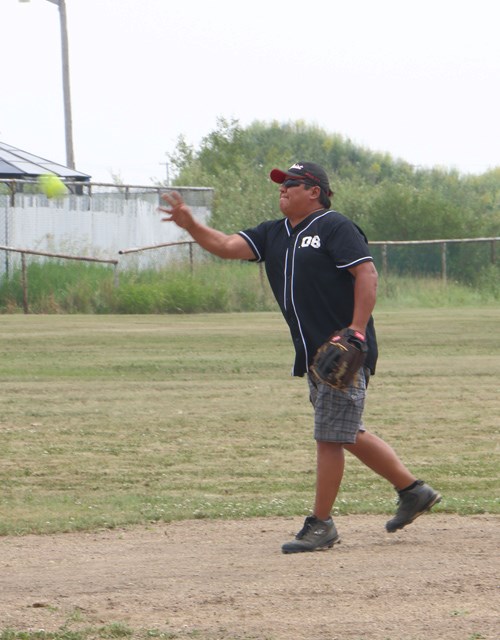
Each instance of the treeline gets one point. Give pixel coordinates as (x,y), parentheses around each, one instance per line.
(389,198)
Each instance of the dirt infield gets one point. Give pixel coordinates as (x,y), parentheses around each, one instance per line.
(436,580)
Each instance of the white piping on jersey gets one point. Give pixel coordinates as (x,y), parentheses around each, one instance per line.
(346,266)
(291,284)
(251,243)
(284,280)
(287,223)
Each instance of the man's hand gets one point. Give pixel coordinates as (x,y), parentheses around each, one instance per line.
(216,242)
(178,211)
(339,359)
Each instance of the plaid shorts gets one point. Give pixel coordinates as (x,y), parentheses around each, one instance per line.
(338,414)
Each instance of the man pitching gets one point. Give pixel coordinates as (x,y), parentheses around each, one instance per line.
(322,275)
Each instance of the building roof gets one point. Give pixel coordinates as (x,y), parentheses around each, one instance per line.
(17,164)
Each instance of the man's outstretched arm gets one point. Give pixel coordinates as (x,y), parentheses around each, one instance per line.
(220,244)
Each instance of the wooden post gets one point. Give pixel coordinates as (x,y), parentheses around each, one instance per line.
(24,281)
(384,260)
(191,259)
(262,283)
(443,263)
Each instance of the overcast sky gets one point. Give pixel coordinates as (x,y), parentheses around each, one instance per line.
(417,79)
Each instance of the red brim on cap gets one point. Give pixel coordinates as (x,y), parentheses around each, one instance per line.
(279,176)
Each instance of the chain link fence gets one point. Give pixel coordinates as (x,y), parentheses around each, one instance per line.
(119,227)
(460,259)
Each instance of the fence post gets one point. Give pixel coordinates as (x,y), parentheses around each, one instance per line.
(443,263)
(493,252)
(116,277)
(384,260)
(24,280)
(191,259)
(262,279)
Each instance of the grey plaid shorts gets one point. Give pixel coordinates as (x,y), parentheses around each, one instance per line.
(338,414)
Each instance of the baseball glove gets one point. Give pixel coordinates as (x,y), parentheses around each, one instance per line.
(338,360)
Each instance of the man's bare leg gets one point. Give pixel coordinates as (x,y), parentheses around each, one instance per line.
(376,454)
(329,472)
(415,497)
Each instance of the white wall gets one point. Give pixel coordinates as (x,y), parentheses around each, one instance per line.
(98,225)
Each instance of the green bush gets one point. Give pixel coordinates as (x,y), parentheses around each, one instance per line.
(59,287)
(138,298)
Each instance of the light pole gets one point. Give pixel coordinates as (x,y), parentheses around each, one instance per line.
(68,123)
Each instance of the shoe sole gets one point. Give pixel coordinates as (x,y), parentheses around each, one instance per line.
(434,500)
(322,547)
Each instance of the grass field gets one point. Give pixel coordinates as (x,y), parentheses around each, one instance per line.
(114,420)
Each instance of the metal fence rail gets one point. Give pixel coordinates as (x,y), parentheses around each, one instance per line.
(24,271)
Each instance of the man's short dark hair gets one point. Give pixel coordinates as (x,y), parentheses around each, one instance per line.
(324,200)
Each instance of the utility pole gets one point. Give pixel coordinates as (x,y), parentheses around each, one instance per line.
(168,172)
(68,121)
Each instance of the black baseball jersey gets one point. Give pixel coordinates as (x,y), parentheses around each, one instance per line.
(308,270)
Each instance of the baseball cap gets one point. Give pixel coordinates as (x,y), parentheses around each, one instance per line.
(308,171)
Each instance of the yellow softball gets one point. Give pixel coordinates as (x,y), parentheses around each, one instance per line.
(52,186)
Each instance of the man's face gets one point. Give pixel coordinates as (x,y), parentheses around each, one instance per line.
(295,199)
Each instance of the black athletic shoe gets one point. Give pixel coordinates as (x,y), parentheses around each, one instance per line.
(413,503)
(315,534)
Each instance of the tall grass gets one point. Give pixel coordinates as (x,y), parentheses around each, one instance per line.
(212,286)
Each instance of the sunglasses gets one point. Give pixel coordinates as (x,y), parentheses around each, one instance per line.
(294,183)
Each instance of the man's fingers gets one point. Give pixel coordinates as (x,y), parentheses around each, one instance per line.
(173,198)
(178,211)
(165,211)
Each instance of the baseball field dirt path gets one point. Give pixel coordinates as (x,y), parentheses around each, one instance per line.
(436,580)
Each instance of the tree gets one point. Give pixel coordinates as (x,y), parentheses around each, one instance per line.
(388,198)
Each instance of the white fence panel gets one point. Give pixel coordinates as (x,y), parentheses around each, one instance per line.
(97,224)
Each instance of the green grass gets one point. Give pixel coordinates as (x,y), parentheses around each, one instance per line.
(212,286)
(115,631)
(108,421)
(76,287)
